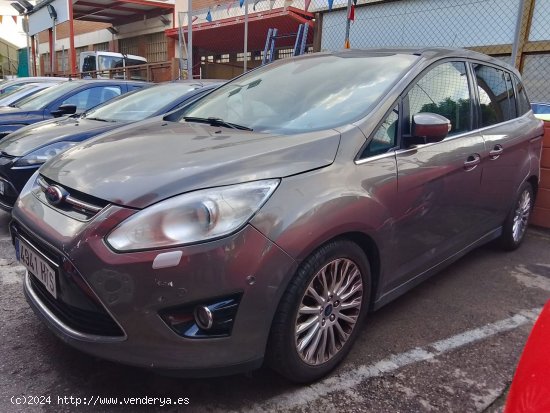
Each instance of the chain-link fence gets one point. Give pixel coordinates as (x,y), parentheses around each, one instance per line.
(517,31)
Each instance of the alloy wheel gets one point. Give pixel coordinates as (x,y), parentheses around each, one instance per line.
(328,311)
(521,216)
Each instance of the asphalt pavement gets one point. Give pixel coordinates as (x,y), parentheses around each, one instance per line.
(449,345)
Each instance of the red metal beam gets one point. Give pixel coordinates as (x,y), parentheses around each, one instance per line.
(99,12)
(148,3)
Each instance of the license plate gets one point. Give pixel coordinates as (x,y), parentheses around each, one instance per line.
(36,266)
(1,187)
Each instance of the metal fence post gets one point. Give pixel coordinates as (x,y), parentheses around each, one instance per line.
(523,28)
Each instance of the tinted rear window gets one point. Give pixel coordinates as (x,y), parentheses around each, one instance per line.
(493,95)
(522,100)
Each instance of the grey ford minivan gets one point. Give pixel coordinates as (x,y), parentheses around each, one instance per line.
(278,210)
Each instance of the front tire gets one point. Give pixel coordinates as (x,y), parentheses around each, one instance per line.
(516,223)
(320,313)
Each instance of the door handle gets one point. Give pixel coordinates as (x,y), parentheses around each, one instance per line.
(496,152)
(472,161)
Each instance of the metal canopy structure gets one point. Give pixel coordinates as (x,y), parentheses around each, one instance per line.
(227,36)
(115,12)
(119,12)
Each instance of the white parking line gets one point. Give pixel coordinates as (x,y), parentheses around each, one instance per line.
(528,278)
(354,377)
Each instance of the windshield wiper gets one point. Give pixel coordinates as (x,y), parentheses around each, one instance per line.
(216,122)
(101,120)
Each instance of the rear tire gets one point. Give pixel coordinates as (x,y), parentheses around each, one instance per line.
(320,313)
(516,223)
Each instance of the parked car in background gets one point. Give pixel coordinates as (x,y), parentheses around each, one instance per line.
(74,97)
(7,86)
(541,110)
(96,64)
(24,151)
(26,90)
(278,210)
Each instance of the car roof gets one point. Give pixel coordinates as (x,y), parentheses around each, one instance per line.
(197,82)
(38,79)
(113,54)
(110,81)
(430,53)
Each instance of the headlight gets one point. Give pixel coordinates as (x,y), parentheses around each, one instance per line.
(193,217)
(31,183)
(41,155)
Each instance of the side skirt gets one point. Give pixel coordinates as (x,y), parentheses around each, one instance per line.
(413,282)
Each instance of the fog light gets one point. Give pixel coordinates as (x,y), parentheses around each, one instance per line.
(207,319)
(203,317)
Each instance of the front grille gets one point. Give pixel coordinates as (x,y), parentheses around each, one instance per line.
(89,322)
(76,304)
(74,203)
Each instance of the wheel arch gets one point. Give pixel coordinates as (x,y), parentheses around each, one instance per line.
(370,248)
(534,181)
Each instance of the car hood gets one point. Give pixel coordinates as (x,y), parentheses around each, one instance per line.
(153,160)
(30,138)
(9,115)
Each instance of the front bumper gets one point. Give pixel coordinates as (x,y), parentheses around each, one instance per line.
(13,181)
(133,293)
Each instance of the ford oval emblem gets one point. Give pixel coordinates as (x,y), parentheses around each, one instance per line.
(54,195)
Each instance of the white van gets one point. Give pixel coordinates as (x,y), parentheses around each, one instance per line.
(97,61)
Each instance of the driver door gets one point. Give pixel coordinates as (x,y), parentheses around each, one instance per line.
(438,183)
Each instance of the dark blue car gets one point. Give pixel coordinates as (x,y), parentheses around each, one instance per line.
(24,151)
(69,98)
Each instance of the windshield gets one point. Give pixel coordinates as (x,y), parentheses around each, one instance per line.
(141,104)
(43,98)
(314,92)
(18,89)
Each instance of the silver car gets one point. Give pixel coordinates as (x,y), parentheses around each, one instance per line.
(278,210)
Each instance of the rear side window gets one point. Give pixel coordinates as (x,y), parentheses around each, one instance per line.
(494,95)
(444,90)
(511,96)
(523,102)
(132,87)
(134,62)
(88,98)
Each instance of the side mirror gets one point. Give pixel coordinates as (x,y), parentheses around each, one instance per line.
(429,128)
(64,110)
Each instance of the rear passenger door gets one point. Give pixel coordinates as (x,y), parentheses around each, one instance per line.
(506,159)
(438,183)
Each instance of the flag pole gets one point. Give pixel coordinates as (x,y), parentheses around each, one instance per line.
(348,23)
